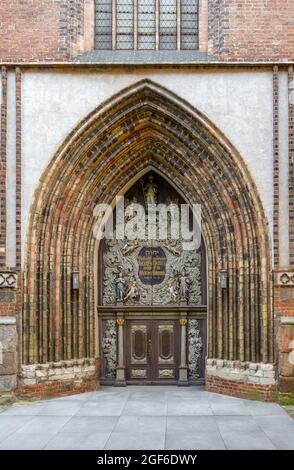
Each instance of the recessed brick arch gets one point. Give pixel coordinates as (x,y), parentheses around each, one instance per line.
(145,125)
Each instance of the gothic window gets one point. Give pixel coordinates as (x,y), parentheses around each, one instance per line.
(146,24)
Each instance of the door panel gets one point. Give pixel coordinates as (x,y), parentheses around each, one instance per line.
(152,351)
(138,365)
(166,350)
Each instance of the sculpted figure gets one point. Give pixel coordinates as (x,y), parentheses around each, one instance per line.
(133,293)
(171,290)
(119,288)
(184,283)
(150,190)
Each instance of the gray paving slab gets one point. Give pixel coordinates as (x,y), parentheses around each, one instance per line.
(279,429)
(93,408)
(40,424)
(82,424)
(145,407)
(78,441)
(144,418)
(247,440)
(25,441)
(141,424)
(136,441)
(189,407)
(205,440)
(191,424)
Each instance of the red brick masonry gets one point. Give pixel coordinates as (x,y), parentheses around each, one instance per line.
(241,389)
(42,380)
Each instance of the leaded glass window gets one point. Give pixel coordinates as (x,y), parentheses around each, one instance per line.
(168,24)
(125,24)
(189,24)
(104,24)
(147,24)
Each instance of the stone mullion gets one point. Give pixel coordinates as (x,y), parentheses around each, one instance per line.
(67,320)
(43,330)
(70,308)
(90,312)
(250,294)
(3,167)
(89,304)
(252,291)
(256,295)
(253,255)
(231,312)
(85,227)
(228,296)
(47,282)
(240,309)
(43,260)
(225,292)
(245,229)
(31,322)
(247,315)
(81,249)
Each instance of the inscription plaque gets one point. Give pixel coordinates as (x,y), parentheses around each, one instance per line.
(152,265)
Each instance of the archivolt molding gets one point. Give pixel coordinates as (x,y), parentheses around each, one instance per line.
(145,126)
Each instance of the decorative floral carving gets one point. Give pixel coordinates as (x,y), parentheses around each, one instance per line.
(109,348)
(194,349)
(139,373)
(166,373)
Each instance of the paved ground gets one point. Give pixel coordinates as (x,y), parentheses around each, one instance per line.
(146,418)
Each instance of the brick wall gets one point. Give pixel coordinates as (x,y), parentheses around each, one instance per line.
(254,30)
(39,30)
(55,30)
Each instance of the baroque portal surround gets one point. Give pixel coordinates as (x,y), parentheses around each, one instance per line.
(143,126)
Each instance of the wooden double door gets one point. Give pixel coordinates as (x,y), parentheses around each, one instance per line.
(152,351)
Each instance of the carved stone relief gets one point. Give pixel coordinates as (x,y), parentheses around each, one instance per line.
(150,272)
(195,347)
(109,348)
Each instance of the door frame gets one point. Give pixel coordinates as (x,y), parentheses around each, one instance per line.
(141,313)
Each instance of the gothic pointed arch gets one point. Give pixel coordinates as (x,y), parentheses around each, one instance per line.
(145,125)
